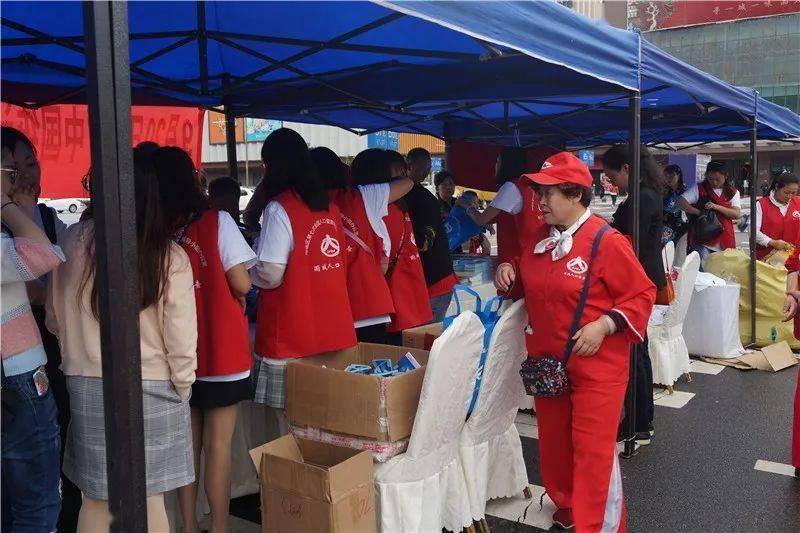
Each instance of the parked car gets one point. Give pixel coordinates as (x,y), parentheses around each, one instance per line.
(71,205)
(247,193)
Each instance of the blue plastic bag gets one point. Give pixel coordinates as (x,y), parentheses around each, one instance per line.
(460,227)
(488,314)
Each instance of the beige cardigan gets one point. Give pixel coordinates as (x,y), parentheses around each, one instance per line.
(168,329)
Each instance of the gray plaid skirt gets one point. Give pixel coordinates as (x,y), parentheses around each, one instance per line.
(167,437)
(270,381)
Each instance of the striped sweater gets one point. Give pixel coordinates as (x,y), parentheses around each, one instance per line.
(20,342)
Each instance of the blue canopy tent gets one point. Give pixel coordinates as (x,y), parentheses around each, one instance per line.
(512,72)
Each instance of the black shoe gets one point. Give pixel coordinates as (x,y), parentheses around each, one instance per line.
(651,430)
(643,438)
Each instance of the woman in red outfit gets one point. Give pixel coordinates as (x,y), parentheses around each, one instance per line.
(778,215)
(219,256)
(790,311)
(578,429)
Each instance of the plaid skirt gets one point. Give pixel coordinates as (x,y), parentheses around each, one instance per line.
(167,437)
(270,381)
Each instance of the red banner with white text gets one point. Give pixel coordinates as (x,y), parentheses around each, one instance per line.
(661,14)
(60,134)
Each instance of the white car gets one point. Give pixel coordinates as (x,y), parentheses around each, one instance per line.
(68,205)
(244,199)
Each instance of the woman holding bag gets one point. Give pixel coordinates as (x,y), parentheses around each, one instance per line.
(588,300)
(719,196)
(616,166)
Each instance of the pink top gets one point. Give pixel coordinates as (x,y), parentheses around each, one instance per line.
(23,260)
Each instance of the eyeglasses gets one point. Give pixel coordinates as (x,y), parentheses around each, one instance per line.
(13,173)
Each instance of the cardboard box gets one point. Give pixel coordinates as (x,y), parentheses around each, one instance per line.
(313,487)
(422,337)
(771,358)
(320,394)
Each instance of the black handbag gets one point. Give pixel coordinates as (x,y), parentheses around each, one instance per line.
(546,376)
(706,226)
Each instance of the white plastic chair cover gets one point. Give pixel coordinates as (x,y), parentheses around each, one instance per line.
(668,255)
(424,490)
(668,350)
(490,449)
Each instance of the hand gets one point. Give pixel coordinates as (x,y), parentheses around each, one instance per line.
(781,245)
(712,206)
(589,337)
(25,194)
(505,276)
(789,307)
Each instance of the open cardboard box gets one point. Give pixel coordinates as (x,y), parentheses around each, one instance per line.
(311,487)
(770,358)
(319,393)
(422,337)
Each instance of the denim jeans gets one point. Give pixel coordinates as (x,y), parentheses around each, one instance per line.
(31,479)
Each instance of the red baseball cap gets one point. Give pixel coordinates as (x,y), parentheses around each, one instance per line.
(562,167)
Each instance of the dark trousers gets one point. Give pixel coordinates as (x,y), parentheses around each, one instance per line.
(70,493)
(375,334)
(644,389)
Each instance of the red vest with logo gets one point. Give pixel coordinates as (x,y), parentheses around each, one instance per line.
(776,225)
(223,339)
(726,239)
(515,231)
(366,284)
(309,313)
(407,279)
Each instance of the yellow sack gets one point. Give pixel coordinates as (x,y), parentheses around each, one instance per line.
(734,264)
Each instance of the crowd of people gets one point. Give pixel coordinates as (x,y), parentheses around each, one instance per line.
(324,256)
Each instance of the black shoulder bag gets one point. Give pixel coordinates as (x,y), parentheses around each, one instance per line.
(547,376)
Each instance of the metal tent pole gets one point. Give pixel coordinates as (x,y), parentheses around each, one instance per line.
(634,172)
(753,189)
(109,99)
(230,143)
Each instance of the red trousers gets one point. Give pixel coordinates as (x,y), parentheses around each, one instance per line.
(577,451)
(796,429)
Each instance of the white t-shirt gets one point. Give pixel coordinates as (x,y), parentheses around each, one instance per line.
(233,250)
(508,199)
(692,196)
(276,240)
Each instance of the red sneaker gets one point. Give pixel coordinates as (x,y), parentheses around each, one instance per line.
(562,519)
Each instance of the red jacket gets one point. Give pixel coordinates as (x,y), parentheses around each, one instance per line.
(618,282)
(514,232)
(776,225)
(309,313)
(223,340)
(406,278)
(366,284)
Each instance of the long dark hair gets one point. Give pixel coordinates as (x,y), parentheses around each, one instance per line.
(153,238)
(182,198)
(728,189)
(289,167)
(678,171)
(371,166)
(513,164)
(618,156)
(330,168)
(9,137)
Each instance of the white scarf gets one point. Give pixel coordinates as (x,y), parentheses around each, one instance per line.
(559,243)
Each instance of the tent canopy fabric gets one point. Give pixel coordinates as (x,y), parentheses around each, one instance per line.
(507,72)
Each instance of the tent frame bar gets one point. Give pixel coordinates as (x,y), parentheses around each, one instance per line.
(109,109)
(634,158)
(753,191)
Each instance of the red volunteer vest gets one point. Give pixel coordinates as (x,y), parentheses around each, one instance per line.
(366,284)
(776,225)
(309,313)
(223,340)
(407,279)
(726,239)
(515,231)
